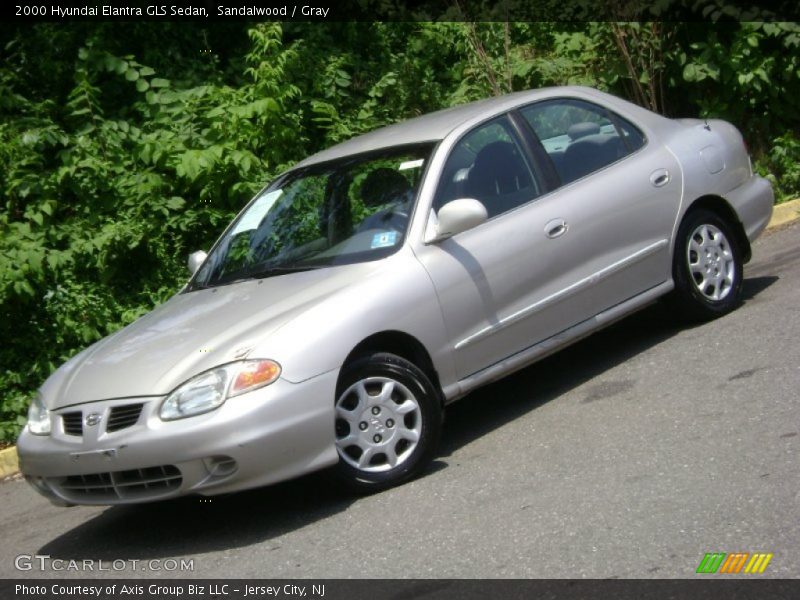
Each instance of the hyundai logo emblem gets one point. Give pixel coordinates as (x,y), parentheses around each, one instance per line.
(92,419)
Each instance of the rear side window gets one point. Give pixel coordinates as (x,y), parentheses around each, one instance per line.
(488,164)
(581,137)
(633,137)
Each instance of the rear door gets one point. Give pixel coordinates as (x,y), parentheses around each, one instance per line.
(548,259)
(618,199)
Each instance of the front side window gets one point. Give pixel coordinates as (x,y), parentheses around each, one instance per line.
(488,165)
(580,137)
(350,210)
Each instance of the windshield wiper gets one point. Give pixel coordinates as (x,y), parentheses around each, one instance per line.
(282,270)
(256,274)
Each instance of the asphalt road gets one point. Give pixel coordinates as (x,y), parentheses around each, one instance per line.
(631,454)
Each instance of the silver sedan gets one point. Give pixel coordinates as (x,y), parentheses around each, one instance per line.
(377,281)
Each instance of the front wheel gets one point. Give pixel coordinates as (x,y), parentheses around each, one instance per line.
(388,422)
(707,267)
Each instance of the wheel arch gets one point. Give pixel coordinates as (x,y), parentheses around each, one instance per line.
(402,344)
(722,207)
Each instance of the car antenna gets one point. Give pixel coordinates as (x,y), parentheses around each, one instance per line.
(707,126)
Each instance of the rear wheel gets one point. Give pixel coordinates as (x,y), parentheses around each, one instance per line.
(707,267)
(388,422)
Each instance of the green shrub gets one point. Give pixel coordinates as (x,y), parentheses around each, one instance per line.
(124,146)
(781,165)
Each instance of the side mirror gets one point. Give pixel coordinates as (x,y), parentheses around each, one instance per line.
(195,260)
(457,216)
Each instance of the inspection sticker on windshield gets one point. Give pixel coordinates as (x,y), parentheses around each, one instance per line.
(411,164)
(384,240)
(256,213)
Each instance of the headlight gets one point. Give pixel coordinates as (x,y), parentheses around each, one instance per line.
(38,417)
(209,390)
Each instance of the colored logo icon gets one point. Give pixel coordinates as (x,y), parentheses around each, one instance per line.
(736,562)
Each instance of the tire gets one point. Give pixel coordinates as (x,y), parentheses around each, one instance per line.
(707,267)
(388,422)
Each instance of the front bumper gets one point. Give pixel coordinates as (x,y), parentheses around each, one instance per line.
(275,433)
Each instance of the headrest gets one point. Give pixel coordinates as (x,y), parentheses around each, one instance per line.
(384,185)
(579,130)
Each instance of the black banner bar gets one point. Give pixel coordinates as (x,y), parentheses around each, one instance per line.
(387,589)
(402,10)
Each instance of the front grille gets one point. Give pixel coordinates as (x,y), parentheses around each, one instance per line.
(135,484)
(123,416)
(73,423)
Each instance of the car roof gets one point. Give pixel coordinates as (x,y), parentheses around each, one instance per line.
(435,126)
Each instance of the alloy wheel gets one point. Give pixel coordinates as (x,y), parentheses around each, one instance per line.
(711,262)
(378,424)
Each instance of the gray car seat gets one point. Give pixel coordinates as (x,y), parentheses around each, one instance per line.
(499,178)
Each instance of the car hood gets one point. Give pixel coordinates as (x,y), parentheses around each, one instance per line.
(190,333)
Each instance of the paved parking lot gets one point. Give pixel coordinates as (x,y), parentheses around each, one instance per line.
(631,454)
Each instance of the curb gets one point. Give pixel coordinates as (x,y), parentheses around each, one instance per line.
(783,213)
(9,465)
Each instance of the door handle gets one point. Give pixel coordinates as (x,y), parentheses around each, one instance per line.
(659,177)
(555,228)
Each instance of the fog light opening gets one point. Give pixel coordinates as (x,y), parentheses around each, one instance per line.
(40,485)
(220,466)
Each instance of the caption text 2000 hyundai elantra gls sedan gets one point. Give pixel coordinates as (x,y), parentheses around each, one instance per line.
(377,281)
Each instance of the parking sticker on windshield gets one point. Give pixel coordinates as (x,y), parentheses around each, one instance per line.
(384,240)
(253,217)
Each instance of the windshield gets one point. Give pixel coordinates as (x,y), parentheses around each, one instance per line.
(346,211)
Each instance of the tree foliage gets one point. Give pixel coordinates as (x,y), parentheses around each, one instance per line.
(124,146)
